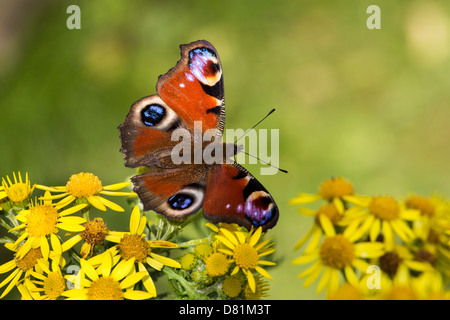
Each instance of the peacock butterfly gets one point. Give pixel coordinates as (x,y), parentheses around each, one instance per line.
(190,92)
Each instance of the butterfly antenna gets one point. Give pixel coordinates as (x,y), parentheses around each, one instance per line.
(265,162)
(271,111)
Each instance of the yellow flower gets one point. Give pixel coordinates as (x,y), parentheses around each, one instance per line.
(18,191)
(316,231)
(337,253)
(112,280)
(24,265)
(88,188)
(133,246)
(232,286)
(42,220)
(381,215)
(188,261)
(400,262)
(434,217)
(95,233)
(50,282)
(245,250)
(430,286)
(217,264)
(333,190)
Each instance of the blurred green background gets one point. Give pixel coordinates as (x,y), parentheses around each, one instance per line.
(369,105)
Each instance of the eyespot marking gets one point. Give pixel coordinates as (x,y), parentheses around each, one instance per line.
(152,114)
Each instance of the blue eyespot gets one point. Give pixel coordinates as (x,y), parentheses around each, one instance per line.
(180,201)
(152,114)
(259,210)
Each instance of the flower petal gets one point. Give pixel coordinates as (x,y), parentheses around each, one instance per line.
(155,264)
(263,272)
(73,209)
(251,281)
(255,237)
(134,219)
(136,295)
(306,258)
(161,244)
(72,220)
(71,242)
(327,226)
(94,200)
(132,279)
(70,227)
(88,269)
(122,269)
(117,186)
(147,281)
(110,204)
(304,198)
(45,248)
(230,236)
(165,260)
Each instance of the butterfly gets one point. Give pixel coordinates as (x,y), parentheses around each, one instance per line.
(190,92)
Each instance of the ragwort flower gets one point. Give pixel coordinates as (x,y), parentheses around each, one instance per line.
(111,280)
(133,245)
(18,191)
(338,252)
(42,220)
(86,187)
(245,250)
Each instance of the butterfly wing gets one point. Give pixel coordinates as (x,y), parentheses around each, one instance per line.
(191,91)
(175,193)
(194,87)
(233,195)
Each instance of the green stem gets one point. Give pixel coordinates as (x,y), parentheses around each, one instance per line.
(190,291)
(85,212)
(191,243)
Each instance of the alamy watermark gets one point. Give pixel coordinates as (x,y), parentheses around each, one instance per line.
(207,147)
(374,280)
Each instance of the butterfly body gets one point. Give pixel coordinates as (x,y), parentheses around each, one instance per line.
(191,96)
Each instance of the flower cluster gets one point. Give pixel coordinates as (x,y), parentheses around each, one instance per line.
(60,253)
(374,247)
(225,265)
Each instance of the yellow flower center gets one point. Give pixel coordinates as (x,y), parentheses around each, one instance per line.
(54,285)
(95,231)
(29,260)
(389,262)
(133,245)
(424,205)
(232,286)
(188,261)
(245,256)
(426,256)
(337,251)
(385,208)
(42,220)
(84,184)
(330,211)
(335,188)
(105,288)
(217,264)
(18,192)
